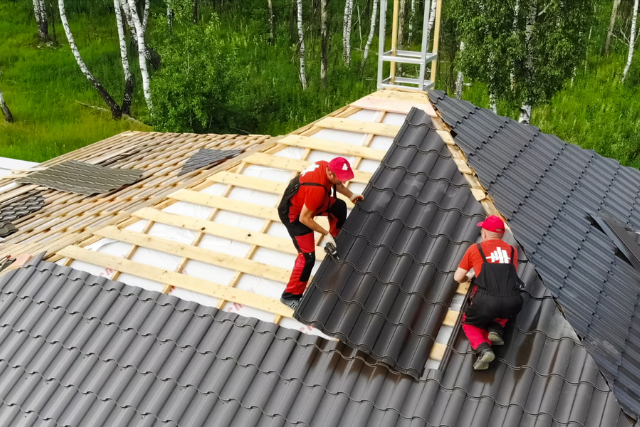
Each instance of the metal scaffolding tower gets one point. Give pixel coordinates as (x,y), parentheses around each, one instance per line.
(395,56)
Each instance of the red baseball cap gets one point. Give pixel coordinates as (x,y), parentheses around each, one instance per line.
(341,167)
(493,223)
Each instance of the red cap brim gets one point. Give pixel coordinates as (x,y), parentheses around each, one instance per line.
(480,224)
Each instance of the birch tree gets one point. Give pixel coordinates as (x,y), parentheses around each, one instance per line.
(272,37)
(323,41)
(303,75)
(116,112)
(145,16)
(6,113)
(142,54)
(371,33)
(195,11)
(40,12)
(432,20)
(401,15)
(460,78)
(346,31)
(525,109)
(632,39)
(612,22)
(412,17)
(128,79)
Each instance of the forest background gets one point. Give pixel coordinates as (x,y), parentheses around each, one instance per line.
(220,68)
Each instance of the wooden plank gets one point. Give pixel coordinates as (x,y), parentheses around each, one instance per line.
(285,163)
(451,318)
(336,147)
(446,137)
(225,231)
(391,105)
(258,184)
(395,95)
(178,280)
(359,126)
(223,203)
(463,288)
(437,351)
(196,253)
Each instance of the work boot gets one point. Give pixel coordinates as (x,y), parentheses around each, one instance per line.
(485,357)
(495,338)
(293,303)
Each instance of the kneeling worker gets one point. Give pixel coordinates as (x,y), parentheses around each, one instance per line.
(311,194)
(495,296)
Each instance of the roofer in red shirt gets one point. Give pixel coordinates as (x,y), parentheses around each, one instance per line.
(311,194)
(495,296)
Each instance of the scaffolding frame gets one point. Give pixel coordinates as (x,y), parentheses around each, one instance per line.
(395,56)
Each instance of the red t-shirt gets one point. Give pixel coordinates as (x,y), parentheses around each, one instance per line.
(495,251)
(316,198)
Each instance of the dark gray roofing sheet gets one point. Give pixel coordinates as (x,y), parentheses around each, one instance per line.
(390,290)
(205,157)
(7,228)
(21,206)
(84,178)
(80,350)
(548,190)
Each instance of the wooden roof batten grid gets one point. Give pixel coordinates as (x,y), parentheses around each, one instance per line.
(230,174)
(68,218)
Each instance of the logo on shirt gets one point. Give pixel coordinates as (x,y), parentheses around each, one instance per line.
(500,256)
(310,168)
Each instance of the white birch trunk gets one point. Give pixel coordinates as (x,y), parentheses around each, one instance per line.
(525,109)
(372,31)
(127,15)
(142,54)
(303,75)
(145,16)
(128,79)
(115,109)
(516,11)
(346,31)
(432,20)
(323,41)
(6,113)
(40,12)
(271,32)
(412,16)
(401,15)
(612,22)
(632,39)
(169,16)
(460,78)
(493,104)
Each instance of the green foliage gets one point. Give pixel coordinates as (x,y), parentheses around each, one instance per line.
(522,50)
(191,89)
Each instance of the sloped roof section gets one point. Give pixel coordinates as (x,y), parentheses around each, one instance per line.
(390,290)
(67,218)
(81,350)
(548,190)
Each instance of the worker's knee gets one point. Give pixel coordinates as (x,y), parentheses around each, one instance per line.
(309,261)
(309,257)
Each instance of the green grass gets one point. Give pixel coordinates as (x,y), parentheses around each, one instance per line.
(41,85)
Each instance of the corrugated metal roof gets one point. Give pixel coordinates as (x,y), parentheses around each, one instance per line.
(83,178)
(81,350)
(548,191)
(390,291)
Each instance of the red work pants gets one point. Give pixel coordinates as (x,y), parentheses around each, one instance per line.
(478,335)
(304,241)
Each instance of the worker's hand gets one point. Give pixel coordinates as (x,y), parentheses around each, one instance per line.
(329,239)
(357,198)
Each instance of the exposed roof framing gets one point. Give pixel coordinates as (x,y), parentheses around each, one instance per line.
(69,218)
(361,133)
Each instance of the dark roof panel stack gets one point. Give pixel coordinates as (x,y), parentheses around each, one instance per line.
(549,191)
(388,293)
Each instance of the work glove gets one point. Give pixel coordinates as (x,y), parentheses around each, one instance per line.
(356,198)
(328,239)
